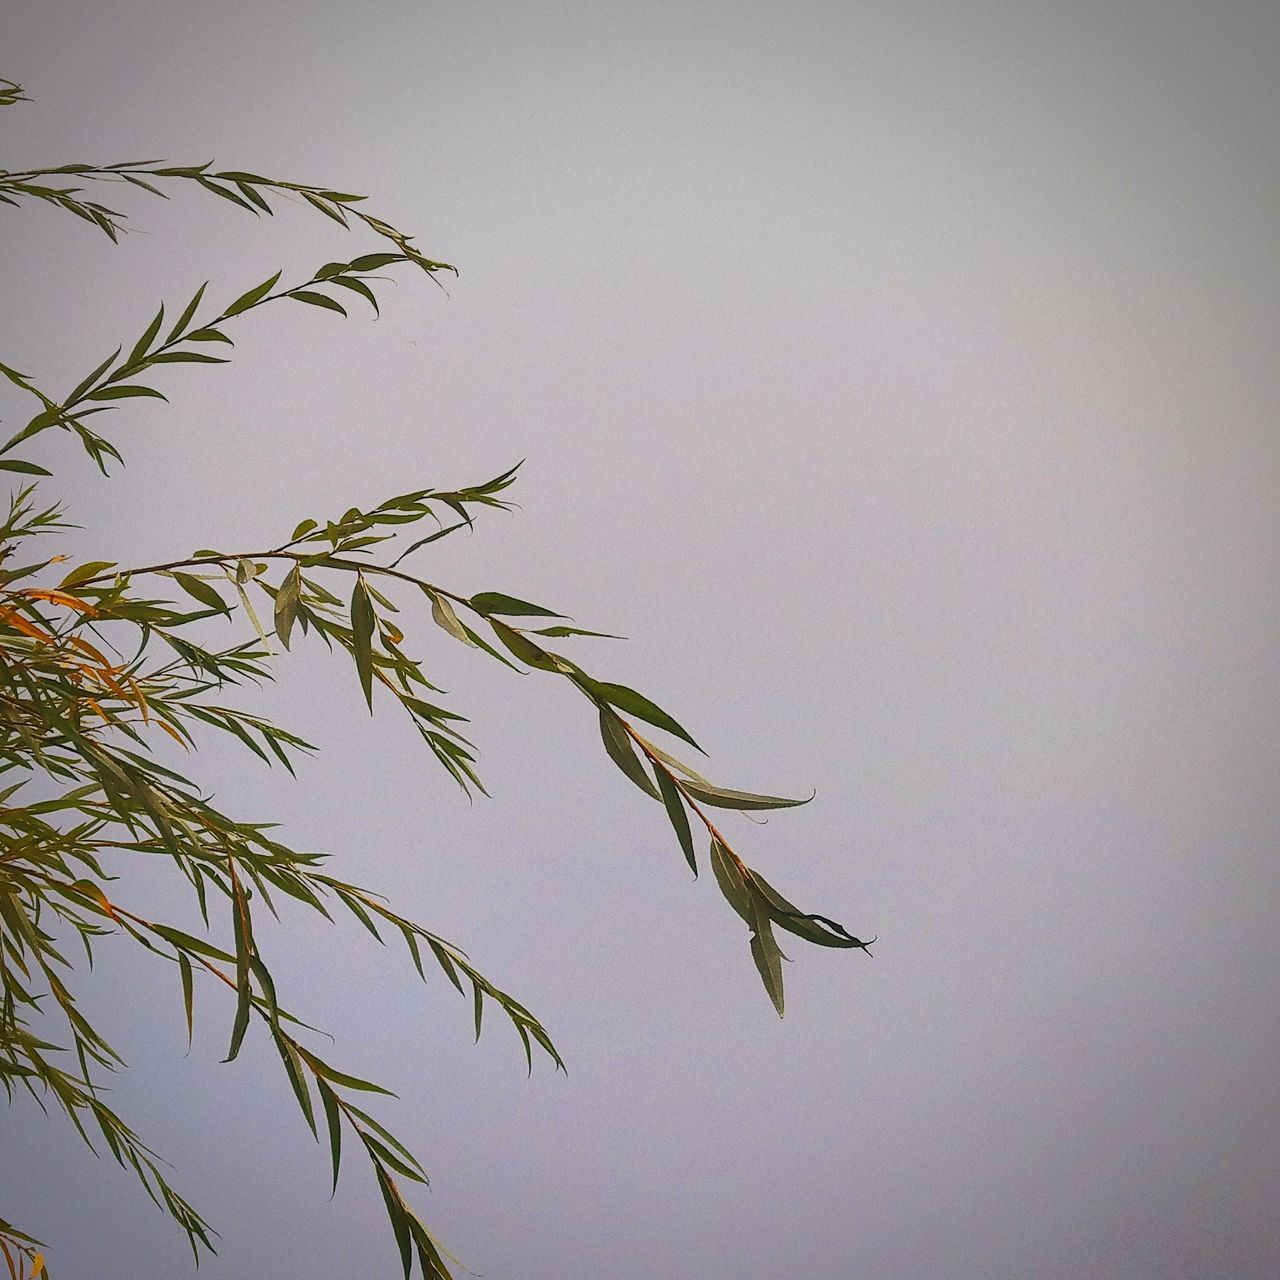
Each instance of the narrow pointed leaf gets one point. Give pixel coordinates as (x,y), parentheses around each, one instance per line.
(730,880)
(622,753)
(125,392)
(199,589)
(90,569)
(92,378)
(559,633)
(317,300)
(287,600)
(372,261)
(522,647)
(812,928)
(188,312)
(635,704)
(765,952)
(333,1117)
(141,347)
(445,618)
(184,966)
(251,297)
(679,818)
(362,623)
(491,602)
(297,1080)
(722,798)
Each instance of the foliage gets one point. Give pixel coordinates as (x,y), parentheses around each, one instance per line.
(100,663)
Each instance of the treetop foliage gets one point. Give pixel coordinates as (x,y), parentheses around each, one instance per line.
(101,663)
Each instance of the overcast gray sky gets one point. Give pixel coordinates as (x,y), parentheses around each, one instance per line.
(901,378)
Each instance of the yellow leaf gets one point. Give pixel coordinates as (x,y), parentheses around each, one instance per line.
(91,890)
(140,700)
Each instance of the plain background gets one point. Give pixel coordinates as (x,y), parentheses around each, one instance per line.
(901,379)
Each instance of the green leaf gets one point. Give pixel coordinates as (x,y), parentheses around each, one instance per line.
(338,1077)
(443,615)
(766,953)
(390,1140)
(481,643)
(287,600)
(125,392)
(184,966)
(817,929)
(200,590)
(362,624)
(226,194)
(358,286)
(386,1156)
(523,648)
(428,711)
(560,633)
(622,753)
(730,880)
(399,1218)
(634,703)
(254,197)
(250,298)
(244,955)
(92,378)
(24,468)
(491,602)
(334,1119)
(679,818)
(303,529)
(317,300)
(91,569)
(188,312)
(185,942)
(722,798)
(297,1080)
(141,346)
(186,357)
(316,203)
(372,261)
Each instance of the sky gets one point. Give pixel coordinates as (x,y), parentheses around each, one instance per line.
(900,379)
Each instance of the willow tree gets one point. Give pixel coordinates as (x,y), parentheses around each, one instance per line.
(101,663)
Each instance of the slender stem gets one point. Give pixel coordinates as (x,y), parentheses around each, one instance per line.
(280,553)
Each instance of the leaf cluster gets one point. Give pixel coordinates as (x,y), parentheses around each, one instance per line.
(107,670)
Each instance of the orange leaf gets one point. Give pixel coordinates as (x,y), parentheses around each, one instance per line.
(85,647)
(60,597)
(19,623)
(174,734)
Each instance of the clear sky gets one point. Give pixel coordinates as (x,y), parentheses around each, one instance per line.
(901,379)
